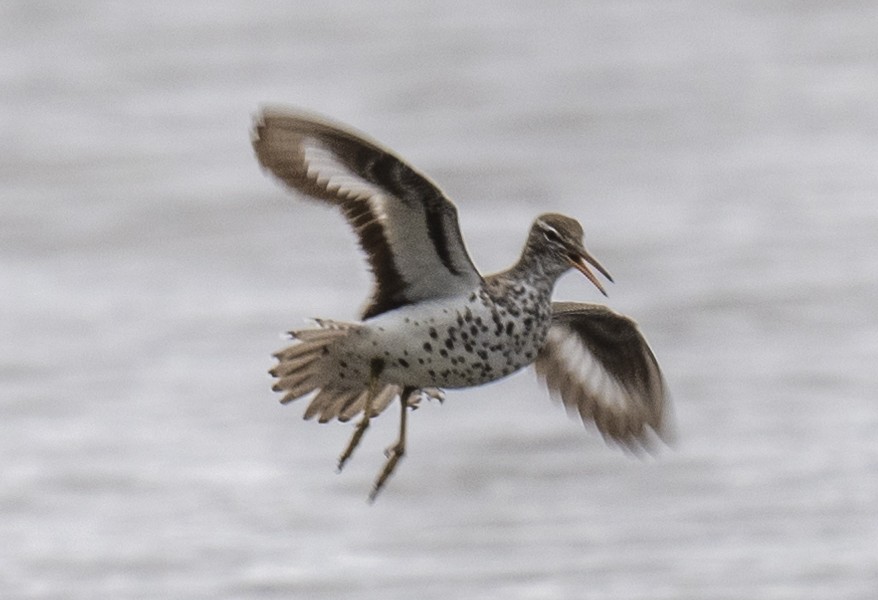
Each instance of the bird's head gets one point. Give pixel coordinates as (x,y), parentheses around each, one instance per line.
(559,239)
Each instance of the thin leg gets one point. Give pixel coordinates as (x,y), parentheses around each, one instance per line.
(363,424)
(395,452)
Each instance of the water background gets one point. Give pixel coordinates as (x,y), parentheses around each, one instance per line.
(722,157)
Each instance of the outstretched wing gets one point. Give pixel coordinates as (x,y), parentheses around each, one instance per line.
(600,365)
(405,224)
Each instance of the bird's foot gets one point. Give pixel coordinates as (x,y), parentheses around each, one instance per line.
(432,394)
(394,454)
(355,441)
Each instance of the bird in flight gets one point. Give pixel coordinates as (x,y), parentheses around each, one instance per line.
(433,321)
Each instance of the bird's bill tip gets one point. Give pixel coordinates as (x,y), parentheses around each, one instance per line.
(581,263)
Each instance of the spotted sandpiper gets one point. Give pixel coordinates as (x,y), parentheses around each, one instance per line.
(433,321)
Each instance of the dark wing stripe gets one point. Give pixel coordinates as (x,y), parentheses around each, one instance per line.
(388,172)
(616,343)
(389,284)
(602,367)
(439,234)
(406,226)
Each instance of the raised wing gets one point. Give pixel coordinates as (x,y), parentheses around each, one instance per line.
(405,224)
(600,365)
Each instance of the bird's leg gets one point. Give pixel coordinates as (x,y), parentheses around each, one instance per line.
(396,451)
(374,372)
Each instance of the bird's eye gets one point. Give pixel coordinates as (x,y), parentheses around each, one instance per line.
(552,236)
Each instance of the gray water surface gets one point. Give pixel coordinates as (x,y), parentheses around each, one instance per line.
(722,156)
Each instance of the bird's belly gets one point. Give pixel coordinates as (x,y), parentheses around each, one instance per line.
(433,345)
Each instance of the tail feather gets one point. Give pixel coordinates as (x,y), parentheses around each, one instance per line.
(290,396)
(292,381)
(379,403)
(322,335)
(330,409)
(290,366)
(295,388)
(359,399)
(301,350)
(384,398)
(299,372)
(315,407)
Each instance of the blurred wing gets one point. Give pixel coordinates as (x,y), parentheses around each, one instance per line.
(405,224)
(600,365)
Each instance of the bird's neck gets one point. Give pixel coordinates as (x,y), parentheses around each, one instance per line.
(536,270)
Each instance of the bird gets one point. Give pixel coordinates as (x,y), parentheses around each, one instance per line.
(433,322)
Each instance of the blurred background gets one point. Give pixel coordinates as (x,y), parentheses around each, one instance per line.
(722,157)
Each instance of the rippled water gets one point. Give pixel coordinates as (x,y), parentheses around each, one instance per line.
(722,156)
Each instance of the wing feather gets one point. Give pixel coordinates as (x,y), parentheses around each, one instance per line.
(405,224)
(601,366)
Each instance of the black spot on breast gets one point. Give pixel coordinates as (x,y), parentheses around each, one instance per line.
(428,346)
(403,363)
(498,321)
(433,333)
(510,326)
(443,353)
(449,344)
